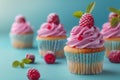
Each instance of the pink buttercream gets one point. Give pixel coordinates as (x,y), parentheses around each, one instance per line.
(20,26)
(91,37)
(52,27)
(54,30)
(109,32)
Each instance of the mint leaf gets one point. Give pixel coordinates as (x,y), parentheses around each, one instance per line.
(22,65)
(15,64)
(114,10)
(90,7)
(78,14)
(26,61)
(114,22)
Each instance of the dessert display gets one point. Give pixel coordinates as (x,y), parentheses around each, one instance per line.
(111,31)
(21,33)
(84,49)
(51,36)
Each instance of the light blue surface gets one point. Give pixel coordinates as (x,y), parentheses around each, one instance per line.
(58,71)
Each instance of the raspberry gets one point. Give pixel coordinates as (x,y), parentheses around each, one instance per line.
(53,18)
(31,57)
(114,56)
(33,74)
(112,15)
(49,27)
(80,38)
(20,19)
(87,20)
(50,57)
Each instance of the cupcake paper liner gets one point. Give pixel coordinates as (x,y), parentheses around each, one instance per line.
(112,45)
(28,38)
(85,63)
(51,45)
(85,58)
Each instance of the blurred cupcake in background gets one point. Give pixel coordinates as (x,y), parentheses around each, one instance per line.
(51,36)
(21,33)
(85,50)
(111,31)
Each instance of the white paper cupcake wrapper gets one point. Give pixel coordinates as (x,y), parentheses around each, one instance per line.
(28,38)
(112,45)
(89,58)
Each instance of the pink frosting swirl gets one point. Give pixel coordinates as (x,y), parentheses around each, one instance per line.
(84,37)
(52,27)
(20,26)
(109,32)
(48,29)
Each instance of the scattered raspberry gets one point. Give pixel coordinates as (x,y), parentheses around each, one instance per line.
(80,38)
(33,74)
(114,56)
(53,18)
(112,15)
(87,20)
(50,57)
(31,57)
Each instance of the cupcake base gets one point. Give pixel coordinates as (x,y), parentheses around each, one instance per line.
(81,68)
(58,54)
(84,61)
(18,44)
(111,44)
(22,40)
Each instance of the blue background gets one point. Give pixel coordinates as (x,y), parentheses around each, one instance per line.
(36,12)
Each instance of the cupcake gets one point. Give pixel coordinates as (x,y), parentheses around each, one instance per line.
(21,33)
(51,36)
(111,33)
(84,49)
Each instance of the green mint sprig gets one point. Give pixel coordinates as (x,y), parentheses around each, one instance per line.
(115,21)
(89,9)
(22,63)
(117,11)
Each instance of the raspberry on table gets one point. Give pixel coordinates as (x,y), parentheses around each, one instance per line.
(114,56)
(50,57)
(31,57)
(33,74)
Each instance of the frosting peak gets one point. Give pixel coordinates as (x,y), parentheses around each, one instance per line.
(109,32)
(20,26)
(52,27)
(85,37)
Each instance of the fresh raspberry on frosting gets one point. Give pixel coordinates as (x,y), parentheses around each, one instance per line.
(20,19)
(87,20)
(114,56)
(53,18)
